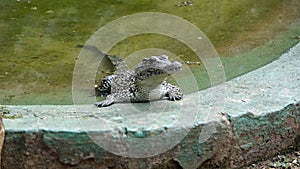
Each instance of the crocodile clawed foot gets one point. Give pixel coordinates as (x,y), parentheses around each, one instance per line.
(174,96)
(104,103)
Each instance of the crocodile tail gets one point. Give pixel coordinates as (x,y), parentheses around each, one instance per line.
(119,64)
(112,63)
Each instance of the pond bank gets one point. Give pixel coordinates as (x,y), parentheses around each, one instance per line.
(257,116)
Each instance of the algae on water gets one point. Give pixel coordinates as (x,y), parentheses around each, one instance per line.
(39,39)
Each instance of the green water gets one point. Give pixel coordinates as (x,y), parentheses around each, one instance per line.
(39,39)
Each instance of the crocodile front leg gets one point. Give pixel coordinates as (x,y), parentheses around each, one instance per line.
(172,92)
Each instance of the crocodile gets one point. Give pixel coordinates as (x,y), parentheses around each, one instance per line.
(146,82)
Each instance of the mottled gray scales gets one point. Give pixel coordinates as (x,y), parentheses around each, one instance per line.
(145,83)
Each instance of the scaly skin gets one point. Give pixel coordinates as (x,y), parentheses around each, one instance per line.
(145,83)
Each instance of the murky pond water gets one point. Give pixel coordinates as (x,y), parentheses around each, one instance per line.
(39,39)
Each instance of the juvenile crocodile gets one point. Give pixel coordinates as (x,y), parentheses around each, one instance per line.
(145,83)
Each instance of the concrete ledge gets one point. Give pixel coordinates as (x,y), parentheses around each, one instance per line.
(235,123)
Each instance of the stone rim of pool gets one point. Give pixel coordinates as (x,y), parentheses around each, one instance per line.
(261,116)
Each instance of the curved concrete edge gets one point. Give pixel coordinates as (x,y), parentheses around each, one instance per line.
(238,122)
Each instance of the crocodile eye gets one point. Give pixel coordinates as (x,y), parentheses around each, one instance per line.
(151,70)
(164,57)
(142,74)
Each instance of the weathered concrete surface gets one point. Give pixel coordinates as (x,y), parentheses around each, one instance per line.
(227,126)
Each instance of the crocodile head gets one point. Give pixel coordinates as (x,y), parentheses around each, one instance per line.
(154,70)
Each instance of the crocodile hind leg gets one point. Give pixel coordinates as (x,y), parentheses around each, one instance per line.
(107,102)
(103,88)
(172,92)
(114,98)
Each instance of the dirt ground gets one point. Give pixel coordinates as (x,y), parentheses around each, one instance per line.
(289,160)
